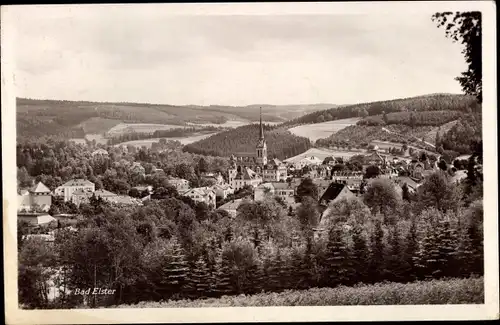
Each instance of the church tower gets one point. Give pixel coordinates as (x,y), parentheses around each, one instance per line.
(261,145)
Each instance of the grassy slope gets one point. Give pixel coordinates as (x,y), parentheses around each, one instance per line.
(453,291)
(322,130)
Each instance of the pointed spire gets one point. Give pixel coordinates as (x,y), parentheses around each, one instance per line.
(261,134)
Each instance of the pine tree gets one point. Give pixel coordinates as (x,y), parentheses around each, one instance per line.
(447,243)
(254,279)
(174,271)
(275,271)
(377,253)
(394,263)
(222,276)
(360,255)
(409,254)
(427,257)
(337,259)
(199,279)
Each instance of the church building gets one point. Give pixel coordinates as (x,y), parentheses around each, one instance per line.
(264,170)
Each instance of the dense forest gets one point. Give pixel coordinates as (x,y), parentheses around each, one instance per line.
(172,133)
(280,142)
(426,118)
(171,248)
(437,102)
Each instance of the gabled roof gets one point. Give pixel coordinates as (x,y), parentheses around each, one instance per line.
(200,191)
(40,188)
(282,186)
(332,192)
(247,174)
(231,205)
(409,181)
(78,182)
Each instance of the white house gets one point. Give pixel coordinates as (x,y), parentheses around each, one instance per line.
(67,189)
(100,152)
(223,190)
(242,177)
(180,184)
(202,194)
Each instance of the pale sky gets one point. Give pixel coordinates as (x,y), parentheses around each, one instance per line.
(131,55)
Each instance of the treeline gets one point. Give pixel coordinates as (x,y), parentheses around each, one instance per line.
(280,142)
(438,102)
(426,118)
(172,133)
(174,249)
(54,162)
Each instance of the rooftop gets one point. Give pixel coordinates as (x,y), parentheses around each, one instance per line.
(40,188)
(78,182)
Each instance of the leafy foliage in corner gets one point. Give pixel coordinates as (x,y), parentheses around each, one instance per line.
(466,28)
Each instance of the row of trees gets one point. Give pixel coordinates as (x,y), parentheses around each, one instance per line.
(171,133)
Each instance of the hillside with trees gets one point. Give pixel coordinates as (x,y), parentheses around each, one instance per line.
(281,143)
(435,102)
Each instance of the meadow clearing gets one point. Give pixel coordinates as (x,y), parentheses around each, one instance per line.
(139,128)
(450,291)
(322,153)
(183,140)
(322,130)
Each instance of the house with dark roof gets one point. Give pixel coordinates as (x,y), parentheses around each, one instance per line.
(334,192)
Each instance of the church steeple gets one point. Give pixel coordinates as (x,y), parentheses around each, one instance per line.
(261,134)
(261,145)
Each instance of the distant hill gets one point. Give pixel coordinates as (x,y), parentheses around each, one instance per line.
(270,113)
(433,102)
(74,119)
(281,143)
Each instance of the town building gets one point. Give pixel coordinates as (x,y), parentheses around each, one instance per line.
(265,169)
(216,178)
(36,219)
(202,194)
(67,189)
(180,184)
(99,153)
(80,197)
(285,191)
(223,190)
(374,159)
(38,197)
(334,193)
(240,177)
(231,207)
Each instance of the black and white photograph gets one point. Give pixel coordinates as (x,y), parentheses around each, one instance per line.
(164,157)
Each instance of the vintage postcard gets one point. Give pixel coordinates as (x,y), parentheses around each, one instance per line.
(249,162)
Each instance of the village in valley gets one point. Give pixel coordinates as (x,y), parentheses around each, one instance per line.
(125,200)
(335,176)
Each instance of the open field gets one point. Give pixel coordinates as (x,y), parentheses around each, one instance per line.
(322,153)
(230,124)
(322,130)
(453,291)
(97,125)
(123,128)
(182,140)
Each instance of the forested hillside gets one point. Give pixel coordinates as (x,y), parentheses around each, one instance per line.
(281,143)
(436,102)
(432,118)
